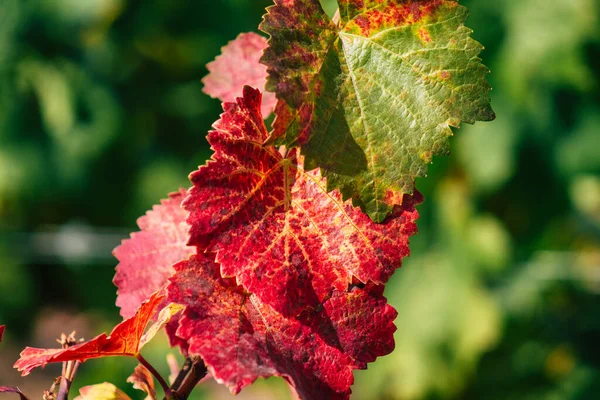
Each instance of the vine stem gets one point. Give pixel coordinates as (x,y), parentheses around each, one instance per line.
(70,369)
(157,375)
(197,372)
(63,389)
(187,366)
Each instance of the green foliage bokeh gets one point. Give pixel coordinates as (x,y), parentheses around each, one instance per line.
(102,114)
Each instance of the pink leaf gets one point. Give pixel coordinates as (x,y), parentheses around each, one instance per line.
(147,258)
(237,66)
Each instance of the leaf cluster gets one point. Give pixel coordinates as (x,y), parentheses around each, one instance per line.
(274,262)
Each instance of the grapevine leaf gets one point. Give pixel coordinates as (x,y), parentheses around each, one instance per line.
(241,338)
(102,391)
(165,316)
(174,340)
(143,380)
(276,228)
(2,329)
(301,36)
(373,99)
(237,66)
(13,389)
(126,339)
(147,258)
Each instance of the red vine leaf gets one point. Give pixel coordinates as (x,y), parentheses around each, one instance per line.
(126,339)
(237,66)
(146,259)
(275,227)
(2,329)
(167,314)
(241,338)
(174,340)
(12,389)
(143,380)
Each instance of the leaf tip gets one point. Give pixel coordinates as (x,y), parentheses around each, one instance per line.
(13,389)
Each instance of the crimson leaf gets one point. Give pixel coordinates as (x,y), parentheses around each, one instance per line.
(276,228)
(240,338)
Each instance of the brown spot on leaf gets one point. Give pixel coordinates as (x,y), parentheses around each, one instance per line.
(424,35)
(364,24)
(391,14)
(426,156)
(394,197)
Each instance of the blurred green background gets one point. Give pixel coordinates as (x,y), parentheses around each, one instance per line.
(102,114)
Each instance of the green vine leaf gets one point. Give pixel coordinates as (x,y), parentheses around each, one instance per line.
(373,98)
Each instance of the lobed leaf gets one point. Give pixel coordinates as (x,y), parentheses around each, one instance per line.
(237,66)
(276,228)
(126,339)
(301,35)
(146,259)
(240,338)
(143,380)
(372,99)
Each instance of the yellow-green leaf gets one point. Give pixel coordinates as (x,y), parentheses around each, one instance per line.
(373,98)
(102,391)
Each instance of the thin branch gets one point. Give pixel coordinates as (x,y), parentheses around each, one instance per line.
(63,389)
(157,375)
(75,368)
(69,365)
(50,394)
(187,366)
(196,374)
(69,368)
